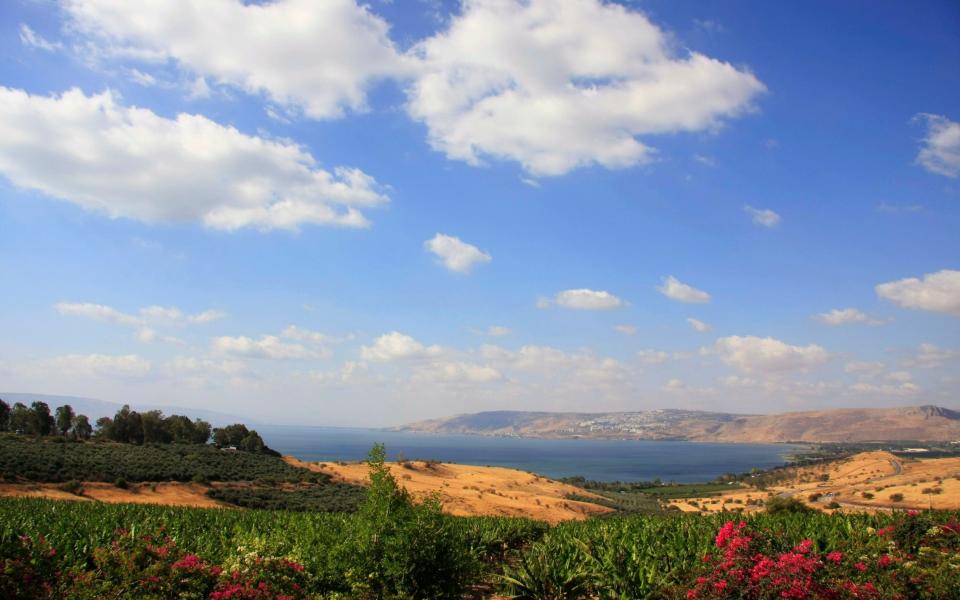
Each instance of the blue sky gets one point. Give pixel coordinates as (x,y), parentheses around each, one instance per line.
(331,213)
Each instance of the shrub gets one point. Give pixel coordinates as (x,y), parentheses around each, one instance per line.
(72,487)
(779,504)
(121,483)
(898,497)
(815,496)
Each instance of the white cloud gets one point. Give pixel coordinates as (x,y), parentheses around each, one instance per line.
(886,389)
(99,312)
(938,292)
(267,347)
(940,152)
(207,316)
(32,39)
(318,57)
(576,368)
(705,160)
(864,368)
(763,217)
(699,325)
(845,316)
(653,357)
(99,365)
(625,329)
(132,163)
(584,299)
(148,335)
(456,255)
(674,385)
(767,355)
(147,314)
(561,84)
(306,335)
(498,331)
(929,356)
(142,79)
(395,346)
(674,289)
(458,372)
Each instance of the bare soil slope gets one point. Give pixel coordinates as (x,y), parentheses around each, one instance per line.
(866,481)
(169,494)
(468,490)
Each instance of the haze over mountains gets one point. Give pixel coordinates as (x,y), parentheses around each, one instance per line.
(926,423)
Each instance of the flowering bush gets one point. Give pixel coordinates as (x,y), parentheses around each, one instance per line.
(748,565)
(28,569)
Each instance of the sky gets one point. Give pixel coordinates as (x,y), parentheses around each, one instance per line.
(341,213)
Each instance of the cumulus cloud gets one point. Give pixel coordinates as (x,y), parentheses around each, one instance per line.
(674,289)
(100,365)
(937,292)
(930,356)
(845,316)
(99,312)
(584,299)
(864,368)
(940,150)
(561,84)
(699,325)
(458,372)
(132,163)
(752,354)
(763,217)
(147,314)
(455,254)
(266,347)
(396,346)
(316,57)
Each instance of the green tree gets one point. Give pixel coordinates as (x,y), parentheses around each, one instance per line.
(41,421)
(64,419)
(81,427)
(4,416)
(105,429)
(401,549)
(20,418)
(231,435)
(154,428)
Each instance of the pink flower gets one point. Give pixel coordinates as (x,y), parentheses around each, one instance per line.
(860,567)
(835,556)
(804,546)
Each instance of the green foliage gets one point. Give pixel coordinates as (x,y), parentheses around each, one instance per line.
(72,487)
(4,416)
(399,549)
(237,436)
(42,460)
(64,419)
(325,497)
(777,505)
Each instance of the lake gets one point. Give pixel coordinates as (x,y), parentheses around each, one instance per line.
(602,460)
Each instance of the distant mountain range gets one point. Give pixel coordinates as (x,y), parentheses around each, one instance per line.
(921,423)
(95,409)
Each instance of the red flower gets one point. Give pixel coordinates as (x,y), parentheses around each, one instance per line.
(885,561)
(835,556)
(860,567)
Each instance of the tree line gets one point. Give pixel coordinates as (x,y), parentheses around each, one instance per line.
(126,426)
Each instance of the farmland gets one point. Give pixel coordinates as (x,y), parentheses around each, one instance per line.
(633,556)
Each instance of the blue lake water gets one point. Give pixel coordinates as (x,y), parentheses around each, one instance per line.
(602,460)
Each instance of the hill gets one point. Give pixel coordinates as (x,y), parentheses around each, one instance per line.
(920,423)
